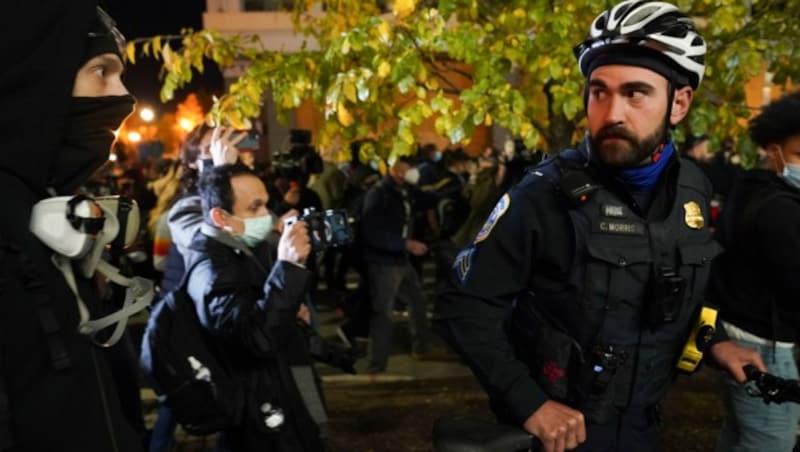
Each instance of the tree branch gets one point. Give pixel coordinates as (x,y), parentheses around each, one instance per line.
(163,38)
(437,70)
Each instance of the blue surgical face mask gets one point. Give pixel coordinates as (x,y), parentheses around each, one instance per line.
(374,165)
(437,156)
(791,174)
(256,229)
(791,171)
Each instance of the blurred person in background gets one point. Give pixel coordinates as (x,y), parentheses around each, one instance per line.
(386,226)
(487,178)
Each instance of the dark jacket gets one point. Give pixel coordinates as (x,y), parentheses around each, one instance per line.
(250,311)
(541,256)
(386,223)
(484,195)
(55,404)
(760,230)
(75,408)
(452,208)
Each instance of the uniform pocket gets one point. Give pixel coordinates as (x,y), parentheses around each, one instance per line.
(616,275)
(695,260)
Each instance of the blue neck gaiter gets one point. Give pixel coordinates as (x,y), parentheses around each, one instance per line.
(644,178)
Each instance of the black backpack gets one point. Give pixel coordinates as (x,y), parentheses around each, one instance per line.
(187,371)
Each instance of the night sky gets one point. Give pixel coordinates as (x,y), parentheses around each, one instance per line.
(144,18)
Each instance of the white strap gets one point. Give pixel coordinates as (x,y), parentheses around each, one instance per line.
(138,295)
(62,263)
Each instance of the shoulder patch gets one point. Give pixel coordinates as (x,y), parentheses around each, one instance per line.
(463,263)
(499,210)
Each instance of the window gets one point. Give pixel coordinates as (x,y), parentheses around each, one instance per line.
(267,5)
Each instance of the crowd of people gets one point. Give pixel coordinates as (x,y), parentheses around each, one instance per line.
(568,284)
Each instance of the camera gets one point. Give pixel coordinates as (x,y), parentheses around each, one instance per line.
(667,289)
(301,160)
(327,229)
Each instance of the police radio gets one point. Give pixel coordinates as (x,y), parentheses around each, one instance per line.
(698,340)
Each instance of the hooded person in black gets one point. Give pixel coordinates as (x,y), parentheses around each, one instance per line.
(61,96)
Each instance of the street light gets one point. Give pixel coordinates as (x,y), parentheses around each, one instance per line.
(186,124)
(134,137)
(147,114)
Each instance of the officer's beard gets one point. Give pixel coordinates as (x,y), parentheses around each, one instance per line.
(616,146)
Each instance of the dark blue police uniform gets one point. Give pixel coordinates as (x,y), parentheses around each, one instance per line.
(578,291)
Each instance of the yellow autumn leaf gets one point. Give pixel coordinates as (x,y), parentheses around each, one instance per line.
(488,119)
(349,89)
(406,135)
(166,55)
(526,129)
(383,31)
(343,115)
(383,69)
(404,8)
(130,52)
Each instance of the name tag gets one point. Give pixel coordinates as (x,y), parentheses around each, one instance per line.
(619,227)
(608,210)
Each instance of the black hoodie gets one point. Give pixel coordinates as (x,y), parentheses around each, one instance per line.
(760,230)
(52,407)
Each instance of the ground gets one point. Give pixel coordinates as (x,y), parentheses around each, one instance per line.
(398,416)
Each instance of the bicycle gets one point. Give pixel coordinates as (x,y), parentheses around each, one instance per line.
(471,434)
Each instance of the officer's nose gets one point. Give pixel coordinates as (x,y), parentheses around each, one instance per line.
(615,113)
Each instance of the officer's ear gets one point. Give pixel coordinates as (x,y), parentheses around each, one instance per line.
(680,104)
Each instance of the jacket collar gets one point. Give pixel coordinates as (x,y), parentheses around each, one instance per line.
(225,238)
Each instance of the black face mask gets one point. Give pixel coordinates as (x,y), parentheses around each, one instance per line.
(88,138)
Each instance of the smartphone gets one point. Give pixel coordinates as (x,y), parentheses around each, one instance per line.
(250,142)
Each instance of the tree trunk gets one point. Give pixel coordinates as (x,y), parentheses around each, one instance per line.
(559,133)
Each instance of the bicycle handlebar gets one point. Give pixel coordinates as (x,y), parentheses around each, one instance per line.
(770,388)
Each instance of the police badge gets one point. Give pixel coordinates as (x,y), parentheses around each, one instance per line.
(693,215)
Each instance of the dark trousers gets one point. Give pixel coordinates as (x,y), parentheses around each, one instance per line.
(634,430)
(387,283)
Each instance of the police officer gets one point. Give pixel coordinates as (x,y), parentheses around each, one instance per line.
(575,299)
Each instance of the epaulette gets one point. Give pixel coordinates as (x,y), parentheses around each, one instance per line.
(569,175)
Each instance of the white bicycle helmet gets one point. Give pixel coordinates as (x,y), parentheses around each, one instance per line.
(635,29)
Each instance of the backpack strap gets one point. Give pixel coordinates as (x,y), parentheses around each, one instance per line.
(182,286)
(37,289)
